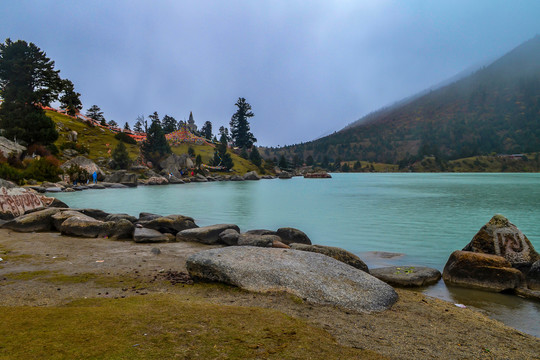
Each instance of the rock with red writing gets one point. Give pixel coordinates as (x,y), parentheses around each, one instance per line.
(16,201)
(500,237)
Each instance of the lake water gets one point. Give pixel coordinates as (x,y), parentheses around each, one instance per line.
(423,216)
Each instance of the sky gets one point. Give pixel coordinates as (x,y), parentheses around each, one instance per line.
(308,68)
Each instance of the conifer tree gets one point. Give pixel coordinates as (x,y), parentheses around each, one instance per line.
(255,157)
(155,146)
(221,156)
(94,112)
(169,124)
(70,99)
(120,156)
(240,133)
(206,130)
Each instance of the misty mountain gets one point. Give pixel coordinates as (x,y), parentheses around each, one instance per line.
(493,110)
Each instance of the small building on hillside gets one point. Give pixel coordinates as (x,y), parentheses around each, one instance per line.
(191,123)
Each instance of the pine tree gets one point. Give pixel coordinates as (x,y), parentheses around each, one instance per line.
(240,133)
(126,126)
(120,156)
(155,146)
(283,163)
(206,130)
(70,100)
(255,157)
(138,127)
(221,156)
(27,80)
(169,124)
(112,123)
(94,112)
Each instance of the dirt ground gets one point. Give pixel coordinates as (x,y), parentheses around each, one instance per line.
(35,267)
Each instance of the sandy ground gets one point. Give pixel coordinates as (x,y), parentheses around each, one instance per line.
(417,327)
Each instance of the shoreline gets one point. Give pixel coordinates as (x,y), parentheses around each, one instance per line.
(417,326)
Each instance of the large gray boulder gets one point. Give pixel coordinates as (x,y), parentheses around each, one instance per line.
(122,229)
(86,164)
(16,201)
(171,224)
(173,164)
(94,213)
(334,252)
(86,226)
(257,240)
(502,238)
(407,276)
(61,216)
(252,175)
(229,237)
(122,177)
(481,271)
(313,277)
(533,276)
(143,235)
(40,220)
(117,217)
(7,184)
(8,147)
(206,235)
(291,235)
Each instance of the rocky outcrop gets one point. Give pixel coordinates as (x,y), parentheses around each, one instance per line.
(500,237)
(318,175)
(143,235)
(285,175)
(86,164)
(122,177)
(206,235)
(407,276)
(257,240)
(155,180)
(229,237)
(252,175)
(7,184)
(40,220)
(291,235)
(533,276)
(144,216)
(481,271)
(61,216)
(122,229)
(334,252)
(173,164)
(94,213)
(117,217)
(8,147)
(86,226)
(16,201)
(313,277)
(171,224)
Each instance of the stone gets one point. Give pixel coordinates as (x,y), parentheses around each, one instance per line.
(70,153)
(53,189)
(122,229)
(16,201)
(40,220)
(318,175)
(171,224)
(252,175)
(72,136)
(116,217)
(533,276)
(59,218)
(285,175)
(291,235)
(173,164)
(257,240)
(122,177)
(144,216)
(157,180)
(86,226)
(229,237)
(155,251)
(8,147)
(58,203)
(96,186)
(94,213)
(279,244)
(334,252)
(500,237)
(236,178)
(86,164)
(407,276)
(143,235)
(174,180)
(7,184)
(261,232)
(481,271)
(120,186)
(206,235)
(316,278)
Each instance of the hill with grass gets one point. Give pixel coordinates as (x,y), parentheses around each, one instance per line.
(94,142)
(495,110)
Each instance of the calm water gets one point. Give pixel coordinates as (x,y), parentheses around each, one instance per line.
(424,216)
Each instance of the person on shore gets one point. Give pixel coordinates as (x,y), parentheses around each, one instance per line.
(94,177)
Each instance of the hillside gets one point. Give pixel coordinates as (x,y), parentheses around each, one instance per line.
(494,110)
(98,141)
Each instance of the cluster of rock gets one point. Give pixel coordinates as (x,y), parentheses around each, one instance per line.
(498,258)
(318,175)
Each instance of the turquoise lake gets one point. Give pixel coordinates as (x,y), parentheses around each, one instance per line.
(423,216)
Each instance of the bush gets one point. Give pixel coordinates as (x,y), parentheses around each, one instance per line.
(43,169)
(10,173)
(76,173)
(125,138)
(120,157)
(81,149)
(37,149)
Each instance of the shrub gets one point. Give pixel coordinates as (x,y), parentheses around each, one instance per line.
(81,149)
(10,173)
(76,173)
(37,149)
(43,169)
(120,157)
(125,138)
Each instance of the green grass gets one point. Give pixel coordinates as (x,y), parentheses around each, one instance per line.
(162,327)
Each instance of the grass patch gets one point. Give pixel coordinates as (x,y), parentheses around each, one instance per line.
(162,327)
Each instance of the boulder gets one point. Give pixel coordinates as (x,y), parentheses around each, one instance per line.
(279,244)
(206,235)
(481,271)
(533,276)
(318,175)
(157,180)
(122,177)
(40,220)
(261,232)
(173,164)
(144,216)
(292,235)
(313,277)
(94,213)
(120,186)
(500,237)
(86,164)
(229,237)
(58,203)
(117,217)
(252,175)
(407,276)
(171,224)
(236,178)
(8,147)
(54,189)
(143,235)
(122,229)
(86,226)
(59,218)
(7,184)
(96,186)
(16,201)
(174,180)
(334,252)
(257,240)
(72,136)
(285,175)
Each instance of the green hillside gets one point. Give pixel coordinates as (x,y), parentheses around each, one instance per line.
(95,139)
(495,110)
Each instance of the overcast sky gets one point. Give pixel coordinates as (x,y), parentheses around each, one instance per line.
(308,68)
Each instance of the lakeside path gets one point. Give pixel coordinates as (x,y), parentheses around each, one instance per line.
(47,270)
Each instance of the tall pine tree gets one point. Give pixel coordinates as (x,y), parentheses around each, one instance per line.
(240,133)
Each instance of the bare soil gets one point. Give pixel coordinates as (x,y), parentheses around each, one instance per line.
(46,269)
